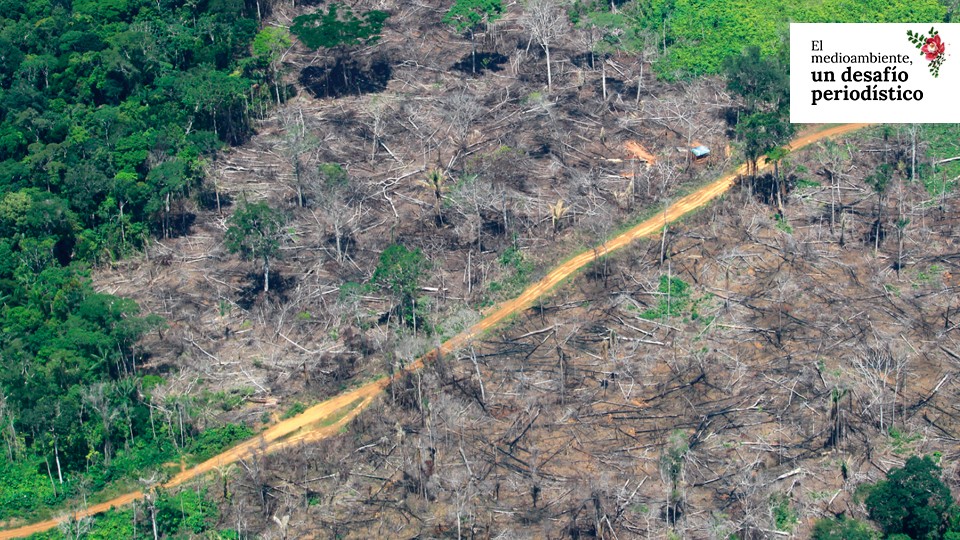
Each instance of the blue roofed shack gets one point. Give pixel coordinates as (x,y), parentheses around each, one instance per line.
(700,151)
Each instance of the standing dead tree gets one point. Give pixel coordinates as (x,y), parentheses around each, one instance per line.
(833,159)
(298,146)
(881,372)
(461,111)
(377,112)
(546,21)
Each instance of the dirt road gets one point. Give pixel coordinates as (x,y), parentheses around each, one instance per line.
(327,418)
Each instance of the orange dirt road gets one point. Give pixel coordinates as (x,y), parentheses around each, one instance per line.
(327,418)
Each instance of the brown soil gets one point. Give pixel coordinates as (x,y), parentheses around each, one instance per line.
(305,428)
(639,152)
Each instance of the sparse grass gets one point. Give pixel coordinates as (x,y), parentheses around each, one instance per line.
(340,414)
(533,98)
(927,276)
(699,305)
(820,495)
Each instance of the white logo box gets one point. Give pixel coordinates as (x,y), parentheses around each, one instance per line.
(843,73)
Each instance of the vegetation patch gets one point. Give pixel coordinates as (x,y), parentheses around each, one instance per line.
(842,528)
(785,518)
(211,442)
(673,299)
(399,271)
(942,144)
(293,410)
(700,34)
(185,514)
(517,269)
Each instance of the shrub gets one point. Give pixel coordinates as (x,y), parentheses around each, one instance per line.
(295,408)
(212,441)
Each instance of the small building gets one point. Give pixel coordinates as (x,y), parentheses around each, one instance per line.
(700,151)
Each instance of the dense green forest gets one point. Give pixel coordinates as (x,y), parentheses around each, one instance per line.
(109,113)
(912,502)
(185,514)
(697,35)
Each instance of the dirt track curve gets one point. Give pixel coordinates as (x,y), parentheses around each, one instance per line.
(326,418)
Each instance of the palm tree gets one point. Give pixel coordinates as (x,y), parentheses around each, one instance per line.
(557,212)
(436,181)
(225,472)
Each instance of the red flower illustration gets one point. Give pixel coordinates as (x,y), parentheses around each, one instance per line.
(932,48)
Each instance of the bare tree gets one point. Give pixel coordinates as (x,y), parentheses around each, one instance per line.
(785,292)
(337,196)
(648,52)
(343,219)
(833,159)
(880,368)
(672,473)
(298,145)
(74,527)
(916,135)
(461,112)
(150,500)
(546,21)
(668,173)
(600,226)
(376,114)
(7,431)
